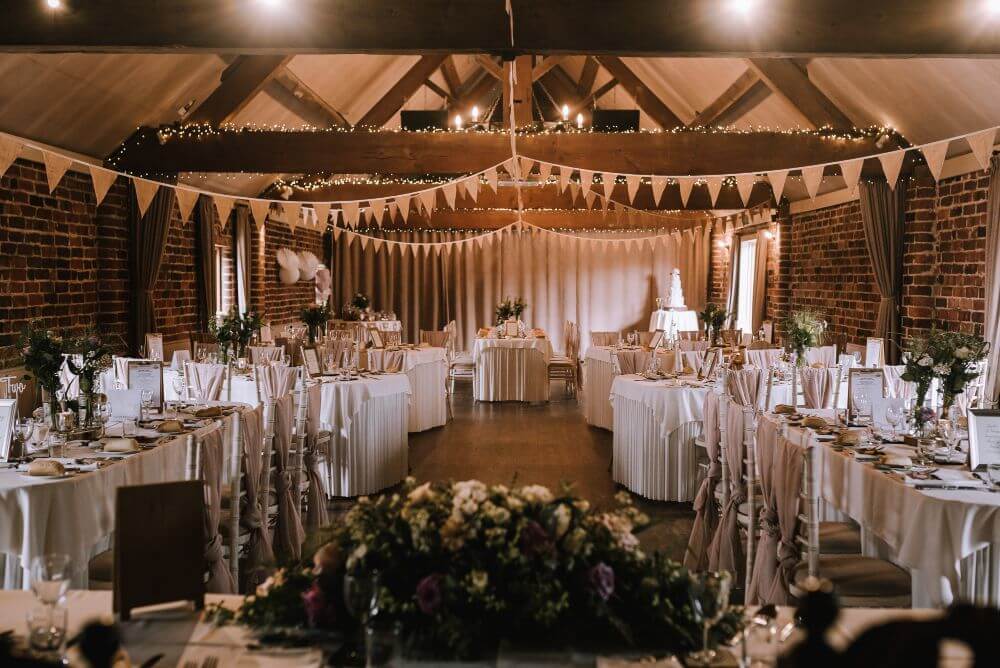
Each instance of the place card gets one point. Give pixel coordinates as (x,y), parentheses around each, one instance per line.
(311,360)
(984,438)
(125,404)
(147,375)
(8,408)
(708,366)
(862,381)
(510,329)
(376,337)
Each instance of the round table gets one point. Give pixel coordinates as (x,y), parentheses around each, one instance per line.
(511,369)
(427,370)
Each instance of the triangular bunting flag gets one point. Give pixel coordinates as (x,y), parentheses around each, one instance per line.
(981,144)
(492,178)
(428,199)
(9,150)
(404,208)
(851,172)
(55,167)
(777,179)
(376,243)
(145,191)
(714,185)
(393,210)
(337,231)
(632,186)
(378,209)
(588,197)
(472,187)
(224,205)
(574,192)
(586,179)
(101,179)
(351,213)
(186,199)
(526,164)
(609,183)
(685,183)
(744,184)
(322,211)
(658,185)
(544,171)
(259,208)
(450,193)
(291,210)
(564,173)
(891,164)
(934,154)
(364,240)
(811,177)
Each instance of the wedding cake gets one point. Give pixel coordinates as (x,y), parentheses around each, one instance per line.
(675,298)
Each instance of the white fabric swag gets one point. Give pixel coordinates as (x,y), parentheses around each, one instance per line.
(583,279)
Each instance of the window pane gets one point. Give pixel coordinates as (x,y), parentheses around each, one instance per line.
(748,264)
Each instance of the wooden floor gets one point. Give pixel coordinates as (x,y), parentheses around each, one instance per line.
(547,444)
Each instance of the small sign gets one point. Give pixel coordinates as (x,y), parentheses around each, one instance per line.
(984,438)
(8,410)
(376,337)
(708,366)
(510,328)
(657,340)
(311,360)
(874,352)
(125,404)
(862,381)
(147,375)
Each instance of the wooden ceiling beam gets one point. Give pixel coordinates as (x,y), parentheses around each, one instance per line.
(643,96)
(440,92)
(241,81)
(481,92)
(458,152)
(667,28)
(545,65)
(790,81)
(490,65)
(396,97)
(587,76)
(522,94)
(309,99)
(450,74)
(747,84)
(562,89)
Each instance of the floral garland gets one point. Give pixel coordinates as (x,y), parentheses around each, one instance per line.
(464,566)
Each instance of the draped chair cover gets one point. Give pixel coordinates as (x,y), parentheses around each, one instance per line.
(434,337)
(688,358)
(763,358)
(259,552)
(765,565)
(220,580)
(689,344)
(316,513)
(726,551)
(817,386)
(341,351)
(825,355)
(205,381)
(705,505)
(604,338)
(896,386)
(263,354)
(276,384)
(787,484)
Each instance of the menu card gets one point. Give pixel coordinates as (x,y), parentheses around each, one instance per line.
(984,438)
(869,382)
(147,375)
(124,404)
(873,352)
(312,361)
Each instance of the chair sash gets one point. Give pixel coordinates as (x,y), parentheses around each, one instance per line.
(603,338)
(744,386)
(825,355)
(276,385)
(316,513)
(706,508)
(726,551)
(787,485)
(763,358)
(435,338)
(259,551)
(205,381)
(263,354)
(220,580)
(765,565)
(817,386)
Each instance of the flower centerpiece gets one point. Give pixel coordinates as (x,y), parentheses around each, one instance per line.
(509,308)
(42,355)
(226,330)
(464,566)
(803,329)
(356,308)
(89,355)
(952,357)
(315,317)
(713,318)
(249,327)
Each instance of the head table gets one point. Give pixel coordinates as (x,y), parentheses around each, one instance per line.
(514,369)
(427,370)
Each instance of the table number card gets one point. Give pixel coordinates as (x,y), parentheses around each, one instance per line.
(311,359)
(8,407)
(708,366)
(657,340)
(147,375)
(984,438)
(861,381)
(511,329)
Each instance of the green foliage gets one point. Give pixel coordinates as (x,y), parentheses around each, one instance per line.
(952,357)
(803,329)
(42,355)
(510,308)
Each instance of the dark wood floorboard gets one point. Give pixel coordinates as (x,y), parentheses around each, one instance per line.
(546,444)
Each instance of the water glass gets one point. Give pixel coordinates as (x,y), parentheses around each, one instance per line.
(894,414)
(993,471)
(709,601)
(128,427)
(146,404)
(50,575)
(47,627)
(57,445)
(925,450)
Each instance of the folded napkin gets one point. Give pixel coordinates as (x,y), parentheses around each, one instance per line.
(814,422)
(170,427)
(849,437)
(120,445)
(45,467)
(210,411)
(784,409)
(897,460)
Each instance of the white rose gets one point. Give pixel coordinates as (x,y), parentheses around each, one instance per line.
(925,361)
(963,353)
(536,494)
(357,555)
(478,580)
(421,493)
(562,517)
(942,369)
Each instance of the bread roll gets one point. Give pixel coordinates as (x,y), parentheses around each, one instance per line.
(46,467)
(897,460)
(120,445)
(784,409)
(170,427)
(849,437)
(814,422)
(211,411)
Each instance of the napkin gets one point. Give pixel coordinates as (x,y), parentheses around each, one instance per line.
(784,409)
(897,460)
(849,437)
(45,467)
(170,427)
(120,445)
(814,422)
(210,411)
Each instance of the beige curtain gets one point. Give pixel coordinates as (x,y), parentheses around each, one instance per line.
(147,241)
(601,282)
(992,380)
(734,278)
(760,280)
(882,211)
(205,227)
(242,253)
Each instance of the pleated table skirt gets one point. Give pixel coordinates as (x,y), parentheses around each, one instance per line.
(511,374)
(374,456)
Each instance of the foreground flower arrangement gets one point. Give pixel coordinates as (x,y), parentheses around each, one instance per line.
(464,566)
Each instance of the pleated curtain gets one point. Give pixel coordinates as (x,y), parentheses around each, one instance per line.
(207,289)
(243,255)
(882,211)
(600,282)
(992,329)
(147,242)
(760,280)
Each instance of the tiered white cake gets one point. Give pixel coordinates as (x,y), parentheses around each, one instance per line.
(675,298)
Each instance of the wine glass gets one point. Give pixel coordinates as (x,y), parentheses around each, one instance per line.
(50,577)
(894,414)
(709,601)
(864,405)
(146,403)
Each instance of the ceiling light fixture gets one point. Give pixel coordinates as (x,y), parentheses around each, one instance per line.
(54,4)
(743,7)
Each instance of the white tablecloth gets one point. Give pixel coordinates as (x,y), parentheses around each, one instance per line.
(939,535)
(427,369)
(683,321)
(654,431)
(71,516)
(511,369)
(368,420)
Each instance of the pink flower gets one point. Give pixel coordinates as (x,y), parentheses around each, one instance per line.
(429,593)
(602,580)
(320,612)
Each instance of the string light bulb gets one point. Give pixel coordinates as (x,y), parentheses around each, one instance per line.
(54,4)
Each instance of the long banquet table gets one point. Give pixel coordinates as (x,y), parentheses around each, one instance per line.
(427,370)
(511,369)
(949,539)
(74,515)
(183,639)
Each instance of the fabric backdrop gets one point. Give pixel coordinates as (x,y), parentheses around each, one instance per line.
(882,218)
(600,282)
(992,380)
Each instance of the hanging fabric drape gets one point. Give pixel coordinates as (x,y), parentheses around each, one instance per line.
(599,281)
(992,330)
(760,280)
(204,214)
(733,298)
(882,211)
(147,241)
(242,253)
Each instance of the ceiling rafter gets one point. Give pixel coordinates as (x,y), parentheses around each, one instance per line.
(450,74)
(240,82)
(588,76)
(491,66)
(721,111)
(640,92)
(401,91)
(545,65)
(790,81)
(310,100)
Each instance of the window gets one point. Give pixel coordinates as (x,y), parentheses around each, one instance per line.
(223,279)
(745,276)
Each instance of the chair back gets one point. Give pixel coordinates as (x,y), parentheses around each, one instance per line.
(646,338)
(452,345)
(159,530)
(154,346)
(819,386)
(263,354)
(205,381)
(825,355)
(688,335)
(599,338)
(857,352)
(572,338)
(731,337)
(179,358)
(763,358)
(341,350)
(435,338)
